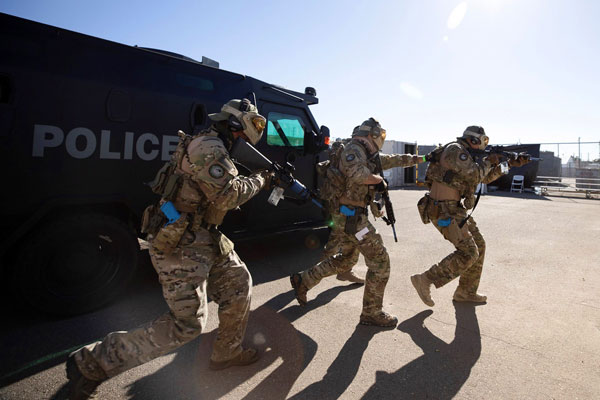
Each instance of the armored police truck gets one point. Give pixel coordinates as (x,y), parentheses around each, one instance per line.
(84,123)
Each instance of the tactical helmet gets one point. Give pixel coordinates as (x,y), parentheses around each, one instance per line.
(372,127)
(477,136)
(242,115)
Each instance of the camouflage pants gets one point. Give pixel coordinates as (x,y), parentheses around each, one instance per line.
(346,248)
(467,260)
(337,244)
(194,270)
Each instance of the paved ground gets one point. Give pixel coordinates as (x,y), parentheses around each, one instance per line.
(538,338)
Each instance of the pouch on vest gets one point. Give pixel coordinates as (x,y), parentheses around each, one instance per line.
(166,182)
(168,237)
(422,205)
(152,220)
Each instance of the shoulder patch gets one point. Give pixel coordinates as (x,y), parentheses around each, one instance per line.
(216,171)
(463,156)
(350,157)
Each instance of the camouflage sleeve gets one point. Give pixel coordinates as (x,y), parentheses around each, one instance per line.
(457,159)
(494,174)
(239,190)
(398,160)
(353,164)
(217,176)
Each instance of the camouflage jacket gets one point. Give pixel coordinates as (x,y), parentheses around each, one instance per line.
(356,166)
(211,184)
(453,166)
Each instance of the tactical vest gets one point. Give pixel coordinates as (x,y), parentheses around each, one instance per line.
(333,181)
(168,179)
(438,173)
(174,184)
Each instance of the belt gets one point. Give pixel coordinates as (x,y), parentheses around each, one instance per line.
(436,202)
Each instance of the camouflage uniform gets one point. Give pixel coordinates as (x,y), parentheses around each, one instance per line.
(201,262)
(457,169)
(356,166)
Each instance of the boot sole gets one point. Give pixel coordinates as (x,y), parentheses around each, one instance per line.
(390,325)
(350,280)
(413,280)
(469,301)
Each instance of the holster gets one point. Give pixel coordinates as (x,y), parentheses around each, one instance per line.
(351,224)
(152,220)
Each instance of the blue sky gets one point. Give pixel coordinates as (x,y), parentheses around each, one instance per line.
(526,70)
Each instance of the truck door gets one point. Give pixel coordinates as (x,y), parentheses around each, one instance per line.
(284,140)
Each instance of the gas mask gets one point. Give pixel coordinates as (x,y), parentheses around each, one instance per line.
(251,122)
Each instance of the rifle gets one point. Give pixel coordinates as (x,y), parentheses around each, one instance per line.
(501,151)
(390,219)
(252,159)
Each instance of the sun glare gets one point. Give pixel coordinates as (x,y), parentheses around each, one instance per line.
(411,90)
(457,15)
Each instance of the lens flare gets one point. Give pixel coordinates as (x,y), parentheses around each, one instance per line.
(457,15)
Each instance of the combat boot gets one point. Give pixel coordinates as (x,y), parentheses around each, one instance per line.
(79,387)
(423,286)
(350,276)
(461,295)
(300,289)
(382,319)
(246,357)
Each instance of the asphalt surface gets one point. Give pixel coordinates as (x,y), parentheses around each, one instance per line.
(537,338)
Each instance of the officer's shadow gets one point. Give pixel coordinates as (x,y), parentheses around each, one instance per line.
(285,354)
(442,369)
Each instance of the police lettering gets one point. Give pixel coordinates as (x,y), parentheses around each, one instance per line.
(82,143)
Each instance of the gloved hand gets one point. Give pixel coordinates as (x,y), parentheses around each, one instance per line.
(519,161)
(381,186)
(494,158)
(269,177)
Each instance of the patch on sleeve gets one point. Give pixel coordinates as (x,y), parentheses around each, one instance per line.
(463,156)
(216,171)
(350,157)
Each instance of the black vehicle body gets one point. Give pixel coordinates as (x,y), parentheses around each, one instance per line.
(84,122)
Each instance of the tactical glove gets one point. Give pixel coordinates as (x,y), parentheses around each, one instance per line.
(269,179)
(494,159)
(381,186)
(519,161)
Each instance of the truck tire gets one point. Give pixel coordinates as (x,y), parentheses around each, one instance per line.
(76,264)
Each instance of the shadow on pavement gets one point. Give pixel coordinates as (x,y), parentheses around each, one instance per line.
(32,343)
(344,368)
(285,354)
(443,368)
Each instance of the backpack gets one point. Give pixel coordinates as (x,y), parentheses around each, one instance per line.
(168,179)
(333,182)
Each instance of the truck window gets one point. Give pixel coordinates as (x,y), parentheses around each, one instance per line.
(285,130)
